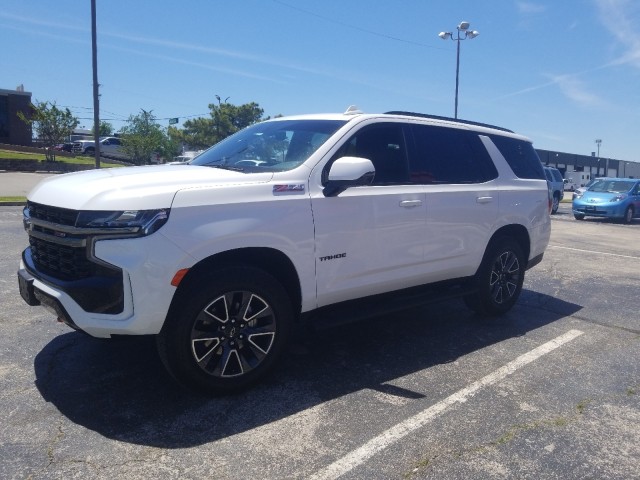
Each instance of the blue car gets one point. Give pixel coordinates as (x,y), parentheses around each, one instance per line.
(611,198)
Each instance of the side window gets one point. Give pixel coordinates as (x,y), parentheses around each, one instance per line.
(521,157)
(447,155)
(547,173)
(385,146)
(557,175)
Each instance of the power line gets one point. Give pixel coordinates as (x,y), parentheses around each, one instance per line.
(355,27)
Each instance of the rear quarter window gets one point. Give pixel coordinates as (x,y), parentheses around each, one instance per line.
(447,155)
(521,157)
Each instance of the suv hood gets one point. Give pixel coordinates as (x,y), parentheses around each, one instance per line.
(133,188)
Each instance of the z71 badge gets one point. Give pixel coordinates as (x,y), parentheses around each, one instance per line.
(297,188)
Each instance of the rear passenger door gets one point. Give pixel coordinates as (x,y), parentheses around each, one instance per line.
(462,197)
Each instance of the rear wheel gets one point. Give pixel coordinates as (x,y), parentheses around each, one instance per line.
(556,203)
(499,278)
(229,332)
(628,214)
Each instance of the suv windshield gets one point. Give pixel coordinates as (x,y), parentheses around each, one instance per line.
(269,146)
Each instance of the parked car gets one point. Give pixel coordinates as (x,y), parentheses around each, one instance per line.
(579,191)
(294,219)
(185,157)
(64,147)
(556,184)
(610,198)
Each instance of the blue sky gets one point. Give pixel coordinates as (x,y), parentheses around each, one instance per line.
(564,73)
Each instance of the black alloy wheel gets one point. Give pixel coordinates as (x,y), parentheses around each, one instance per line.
(229,332)
(499,279)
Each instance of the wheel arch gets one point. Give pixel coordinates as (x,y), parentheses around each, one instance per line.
(270,260)
(515,232)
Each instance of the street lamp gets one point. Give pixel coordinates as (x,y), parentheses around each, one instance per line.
(463,34)
(598,142)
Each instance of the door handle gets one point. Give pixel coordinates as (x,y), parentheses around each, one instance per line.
(410,203)
(484,199)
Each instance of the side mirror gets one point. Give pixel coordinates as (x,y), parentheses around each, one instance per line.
(348,172)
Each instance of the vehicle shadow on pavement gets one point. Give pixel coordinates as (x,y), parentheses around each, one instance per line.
(119,388)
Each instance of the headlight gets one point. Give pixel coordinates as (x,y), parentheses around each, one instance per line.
(619,197)
(137,222)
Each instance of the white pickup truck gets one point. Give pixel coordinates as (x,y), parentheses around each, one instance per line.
(109,147)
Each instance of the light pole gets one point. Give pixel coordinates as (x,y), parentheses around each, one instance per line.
(463,34)
(598,142)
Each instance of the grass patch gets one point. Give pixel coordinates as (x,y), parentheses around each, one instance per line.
(12,199)
(79,160)
(11,155)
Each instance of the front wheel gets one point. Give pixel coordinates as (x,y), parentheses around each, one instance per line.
(499,279)
(628,214)
(228,332)
(578,216)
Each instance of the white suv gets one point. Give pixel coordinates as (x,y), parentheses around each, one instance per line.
(292,219)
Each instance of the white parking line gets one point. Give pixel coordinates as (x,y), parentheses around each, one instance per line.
(392,435)
(594,252)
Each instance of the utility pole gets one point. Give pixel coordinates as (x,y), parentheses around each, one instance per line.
(96,95)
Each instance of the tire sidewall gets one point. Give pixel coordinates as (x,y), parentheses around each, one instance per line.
(174,342)
(484,303)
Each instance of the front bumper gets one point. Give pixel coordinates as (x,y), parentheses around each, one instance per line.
(608,210)
(146,266)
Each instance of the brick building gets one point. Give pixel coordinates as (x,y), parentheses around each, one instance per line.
(13,130)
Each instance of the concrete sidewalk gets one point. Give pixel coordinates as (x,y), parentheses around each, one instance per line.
(18,184)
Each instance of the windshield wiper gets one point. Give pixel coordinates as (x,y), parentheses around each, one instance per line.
(227,167)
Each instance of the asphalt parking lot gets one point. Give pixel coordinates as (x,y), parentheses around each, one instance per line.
(552,390)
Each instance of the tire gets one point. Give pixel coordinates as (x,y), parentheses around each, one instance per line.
(578,216)
(628,214)
(499,279)
(555,204)
(89,151)
(228,333)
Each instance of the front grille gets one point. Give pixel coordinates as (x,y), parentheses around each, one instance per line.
(58,254)
(61,261)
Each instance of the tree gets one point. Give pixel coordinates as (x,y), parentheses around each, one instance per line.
(105,130)
(226,119)
(51,124)
(143,138)
(197,133)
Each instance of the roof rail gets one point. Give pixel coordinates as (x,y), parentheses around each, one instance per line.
(449,119)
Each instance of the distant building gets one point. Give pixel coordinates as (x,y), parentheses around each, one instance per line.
(588,166)
(13,130)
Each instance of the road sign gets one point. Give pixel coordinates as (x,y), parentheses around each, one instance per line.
(173,121)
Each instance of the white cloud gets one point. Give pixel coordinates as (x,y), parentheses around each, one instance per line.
(621,18)
(575,90)
(530,7)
